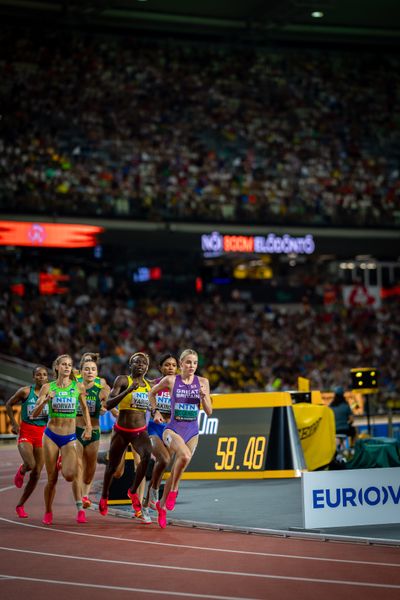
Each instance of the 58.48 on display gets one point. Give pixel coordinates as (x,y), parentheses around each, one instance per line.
(231,455)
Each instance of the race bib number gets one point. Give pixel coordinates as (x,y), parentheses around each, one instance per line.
(164,402)
(140,400)
(186,412)
(44,413)
(91,404)
(64,405)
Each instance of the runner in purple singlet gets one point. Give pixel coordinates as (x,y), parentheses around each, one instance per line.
(188,392)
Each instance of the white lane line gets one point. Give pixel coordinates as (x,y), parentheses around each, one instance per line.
(205,548)
(12,487)
(134,564)
(125,589)
(191,595)
(191,569)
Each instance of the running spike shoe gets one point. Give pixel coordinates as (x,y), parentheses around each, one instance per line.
(48,518)
(144,516)
(136,504)
(86,502)
(153,498)
(21,512)
(103,506)
(81,516)
(19,477)
(162,516)
(170,501)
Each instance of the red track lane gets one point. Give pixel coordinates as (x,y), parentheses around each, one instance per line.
(110,557)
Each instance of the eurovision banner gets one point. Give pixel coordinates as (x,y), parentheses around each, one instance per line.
(353,497)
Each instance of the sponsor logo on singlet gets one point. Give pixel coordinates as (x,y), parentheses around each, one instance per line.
(185,411)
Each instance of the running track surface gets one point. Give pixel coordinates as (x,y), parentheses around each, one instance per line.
(113,558)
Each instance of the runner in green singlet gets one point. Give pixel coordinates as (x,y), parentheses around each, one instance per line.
(62,396)
(95,357)
(30,435)
(88,449)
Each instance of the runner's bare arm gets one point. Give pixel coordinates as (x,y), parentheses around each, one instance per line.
(44,396)
(87,434)
(20,395)
(205,395)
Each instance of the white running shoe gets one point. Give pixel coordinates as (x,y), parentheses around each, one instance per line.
(153,498)
(144,516)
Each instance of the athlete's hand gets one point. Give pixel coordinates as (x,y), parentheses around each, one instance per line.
(15,428)
(203,394)
(134,386)
(158,418)
(87,434)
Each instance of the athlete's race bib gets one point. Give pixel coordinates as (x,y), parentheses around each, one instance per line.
(186,412)
(91,404)
(140,400)
(164,402)
(44,413)
(65,405)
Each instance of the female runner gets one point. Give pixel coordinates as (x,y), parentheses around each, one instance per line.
(98,381)
(62,396)
(168,365)
(88,449)
(30,444)
(130,394)
(188,392)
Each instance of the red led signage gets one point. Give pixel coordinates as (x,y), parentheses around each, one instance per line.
(49,235)
(52,283)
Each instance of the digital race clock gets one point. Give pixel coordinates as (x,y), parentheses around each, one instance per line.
(247,436)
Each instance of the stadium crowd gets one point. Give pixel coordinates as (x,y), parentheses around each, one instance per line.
(120,127)
(242,346)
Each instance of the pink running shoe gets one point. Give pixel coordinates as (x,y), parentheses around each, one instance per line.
(48,518)
(136,504)
(171,499)
(21,512)
(19,477)
(86,502)
(81,517)
(103,506)
(162,516)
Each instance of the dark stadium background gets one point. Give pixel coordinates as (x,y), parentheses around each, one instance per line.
(283,316)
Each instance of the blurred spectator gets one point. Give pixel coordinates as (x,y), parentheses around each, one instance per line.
(168,131)
(343,415)
(242,347)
